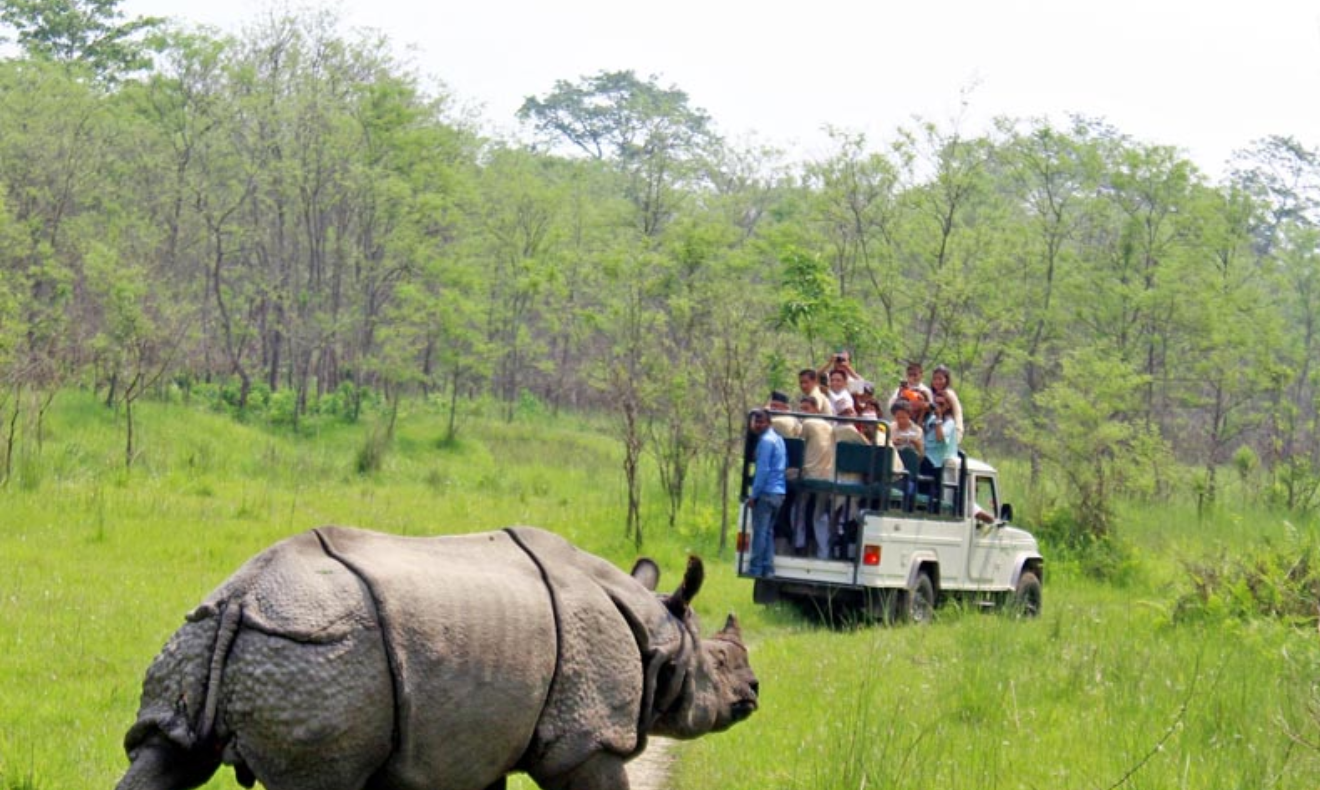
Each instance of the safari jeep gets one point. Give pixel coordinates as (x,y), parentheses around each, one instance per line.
(900,544)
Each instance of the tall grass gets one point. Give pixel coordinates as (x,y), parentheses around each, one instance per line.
(97,567)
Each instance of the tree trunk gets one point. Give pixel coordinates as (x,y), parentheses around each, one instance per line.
(128,443)
(632,453)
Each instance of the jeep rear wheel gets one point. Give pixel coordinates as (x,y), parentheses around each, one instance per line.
(918,604)
(765,591)
(1026,599)
(881,606)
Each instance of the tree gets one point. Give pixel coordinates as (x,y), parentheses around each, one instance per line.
(53,143)
(1051,173)
(1294,413)
(1227,362)
(651,134)
(142,330)
(1284,176)
(1149,187)
(940,243)
(855,208)
(86,33)
(518,219)
(12,332)
(631,366)
(1090,436)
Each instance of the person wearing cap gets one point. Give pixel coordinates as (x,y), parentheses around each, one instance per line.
(786,425)
(769,485)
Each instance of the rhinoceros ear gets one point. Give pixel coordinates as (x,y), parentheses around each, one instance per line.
(731,628)
(692,579)
(646,572)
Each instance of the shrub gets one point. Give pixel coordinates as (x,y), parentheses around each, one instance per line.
(283,407)
(371,454)
(1069,539)
(1275,581)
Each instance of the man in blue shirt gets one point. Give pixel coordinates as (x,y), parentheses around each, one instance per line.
(767,495)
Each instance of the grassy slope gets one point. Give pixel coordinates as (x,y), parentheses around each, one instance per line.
(97,570)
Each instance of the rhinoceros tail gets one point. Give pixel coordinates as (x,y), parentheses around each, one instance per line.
(230,619)
(171,746)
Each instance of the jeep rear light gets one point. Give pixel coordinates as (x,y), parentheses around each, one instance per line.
(871,555)
(742,542)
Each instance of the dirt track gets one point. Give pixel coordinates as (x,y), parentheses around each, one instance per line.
(650,771)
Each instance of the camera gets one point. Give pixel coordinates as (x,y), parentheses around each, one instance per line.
(838,357)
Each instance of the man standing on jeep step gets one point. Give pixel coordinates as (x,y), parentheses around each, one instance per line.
(767,494)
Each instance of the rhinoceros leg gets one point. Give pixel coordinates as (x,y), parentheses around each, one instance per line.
(601,771)
(162,765)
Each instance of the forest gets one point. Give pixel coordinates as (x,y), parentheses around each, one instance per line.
(291,222)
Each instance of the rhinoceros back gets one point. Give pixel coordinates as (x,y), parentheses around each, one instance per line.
(471,640)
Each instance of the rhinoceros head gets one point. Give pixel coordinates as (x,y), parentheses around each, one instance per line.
(708,684)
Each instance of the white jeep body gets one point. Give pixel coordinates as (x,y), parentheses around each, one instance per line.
(881,566)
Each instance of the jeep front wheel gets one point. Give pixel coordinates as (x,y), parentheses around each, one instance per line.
(1027,597)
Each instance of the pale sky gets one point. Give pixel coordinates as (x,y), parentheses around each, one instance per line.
(1208,76)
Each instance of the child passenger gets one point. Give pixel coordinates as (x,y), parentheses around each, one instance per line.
(905,432)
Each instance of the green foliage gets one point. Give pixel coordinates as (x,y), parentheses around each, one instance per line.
(1093,435)
(88,33)
(1100,688)
(1275,580)
(1072,541)
(345,404)
(373,450)
(615,114)
(805,302)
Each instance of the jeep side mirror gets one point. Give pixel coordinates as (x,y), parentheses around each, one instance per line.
(1005,512)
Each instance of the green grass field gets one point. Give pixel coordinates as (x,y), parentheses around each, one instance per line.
(1106,689)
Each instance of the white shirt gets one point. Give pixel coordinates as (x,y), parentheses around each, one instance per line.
(839,400)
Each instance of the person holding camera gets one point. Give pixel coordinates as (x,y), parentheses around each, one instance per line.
(911,388)
(842,362)
(941,439)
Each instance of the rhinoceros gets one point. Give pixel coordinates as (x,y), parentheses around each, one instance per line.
(343,659)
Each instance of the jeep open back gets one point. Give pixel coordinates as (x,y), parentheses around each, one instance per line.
(900,543)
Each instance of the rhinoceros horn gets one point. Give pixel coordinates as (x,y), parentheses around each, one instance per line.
(687,590)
